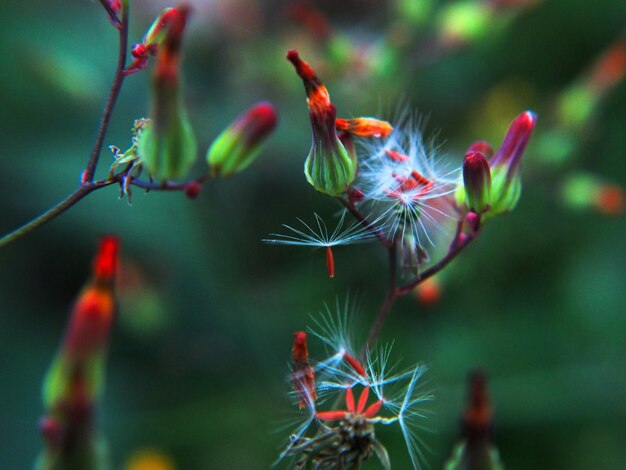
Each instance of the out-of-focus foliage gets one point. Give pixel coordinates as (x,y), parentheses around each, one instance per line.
(197,360)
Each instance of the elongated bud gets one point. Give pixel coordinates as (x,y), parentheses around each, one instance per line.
(75,379)
(477,182)
(476,450)
(302,374)
(149,46)
(167,145)
(241,142)
(87,333)
(329,168)
(506,184)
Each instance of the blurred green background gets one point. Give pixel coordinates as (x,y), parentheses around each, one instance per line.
(198,360)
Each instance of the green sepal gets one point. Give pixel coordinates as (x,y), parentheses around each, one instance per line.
(329,168)
(170,151)
(229,154)
(505,191)
(57,383)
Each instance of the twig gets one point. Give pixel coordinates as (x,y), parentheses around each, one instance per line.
(452,253)
(87,185)
(47,216)
(118,80)
(459,243)
(390,298)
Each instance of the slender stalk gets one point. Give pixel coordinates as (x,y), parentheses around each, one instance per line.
(87,185)
(453,253)
(394,291)
(116,86)
(166,185)
(47,216)
(390,298)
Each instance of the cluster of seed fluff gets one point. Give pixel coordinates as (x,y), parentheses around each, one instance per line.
(332,421)
(404,181)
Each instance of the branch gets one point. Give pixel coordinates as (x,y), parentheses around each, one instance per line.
(455,249)
(87,185)
(118,80)
(47,216)
(390,298)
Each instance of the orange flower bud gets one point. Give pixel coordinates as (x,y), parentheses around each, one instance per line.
(302,374)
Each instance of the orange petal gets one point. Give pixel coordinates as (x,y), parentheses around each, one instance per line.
(365,127)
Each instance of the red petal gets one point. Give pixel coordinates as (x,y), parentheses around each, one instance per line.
(331,415)
(363,400)
(350,400)
(373,409)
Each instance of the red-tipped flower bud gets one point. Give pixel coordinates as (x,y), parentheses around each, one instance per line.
(506,182)
(241,142)
(482,146)
(329,168)
(167,145)
(302,374)
(87,334)
(477,181)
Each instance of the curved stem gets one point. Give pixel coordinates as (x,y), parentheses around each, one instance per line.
(47,216)
(88,185)
(84,190)
(454,251)
(116,86)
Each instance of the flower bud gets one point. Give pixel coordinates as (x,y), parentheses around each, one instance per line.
(113,9)
(167,145)
(302,374)
(329,168)
(477,181)
(240,143)
(482,146)
(506,184)
(86,338)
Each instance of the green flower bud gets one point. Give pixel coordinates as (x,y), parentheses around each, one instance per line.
(506,182)
(167,145)
(329,167)
(240,143)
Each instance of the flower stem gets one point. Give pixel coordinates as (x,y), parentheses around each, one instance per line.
(87,185)
(116,86)
(47,216)
(394,291)
(390,298)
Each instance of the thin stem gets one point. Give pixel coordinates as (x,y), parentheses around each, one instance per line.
(116,86)
(394,291)
(390,298)
(47,216)
(87,188)
(87,185)
(452,253)
(166,185)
